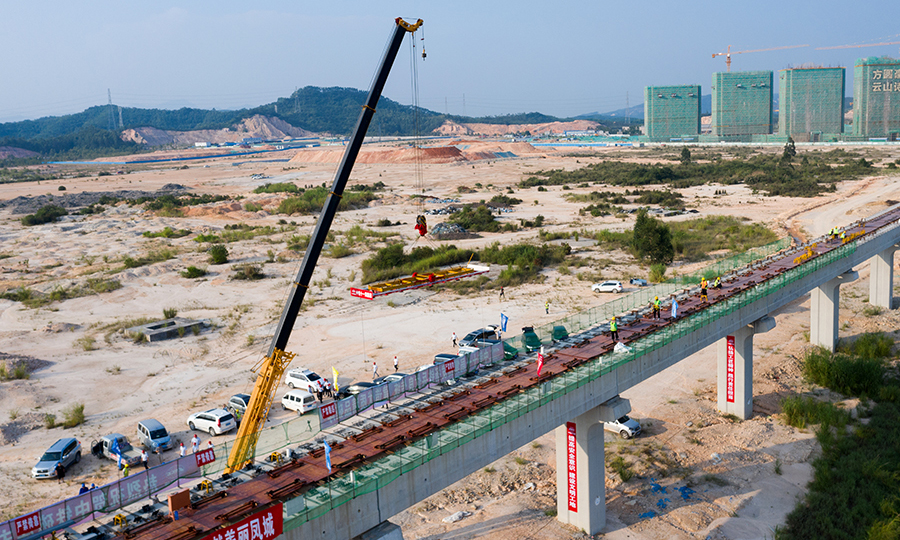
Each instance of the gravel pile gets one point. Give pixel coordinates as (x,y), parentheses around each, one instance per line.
(30,205)
(11,431)
(450,231)
(13,361)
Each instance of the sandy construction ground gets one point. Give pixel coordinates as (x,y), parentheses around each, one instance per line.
(745,476)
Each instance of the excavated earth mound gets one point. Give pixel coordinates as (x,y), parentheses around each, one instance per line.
(460,151)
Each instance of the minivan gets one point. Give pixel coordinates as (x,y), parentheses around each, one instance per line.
(299,400)
(153,435)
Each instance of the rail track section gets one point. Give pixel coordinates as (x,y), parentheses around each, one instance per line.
(391,456)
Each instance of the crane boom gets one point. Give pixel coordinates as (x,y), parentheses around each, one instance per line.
(728,52)
(277,359)
(856,46)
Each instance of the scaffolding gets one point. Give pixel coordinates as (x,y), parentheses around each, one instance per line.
(876,103)
(741,103)
(811,102)
(672,112)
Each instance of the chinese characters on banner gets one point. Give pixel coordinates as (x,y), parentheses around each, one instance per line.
(729,369)
(263,525)
(886,80)
(572,467)
(205,457)
(327,415)
(27,524)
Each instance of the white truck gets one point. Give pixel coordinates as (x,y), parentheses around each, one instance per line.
(115,444)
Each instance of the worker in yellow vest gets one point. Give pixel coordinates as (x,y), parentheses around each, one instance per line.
(703,286)
(656,307)
(613,329)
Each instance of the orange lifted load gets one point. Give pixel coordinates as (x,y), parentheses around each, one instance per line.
(418,280)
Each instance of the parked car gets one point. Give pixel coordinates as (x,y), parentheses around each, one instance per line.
(238,404)
(608,286)
(214,421)
(353,389)
(114,445)
(626,427)
(531,339)
(153,435)
(299,400)
(638,281)
(305,379)
(488,332)
(390,378)
(66,451)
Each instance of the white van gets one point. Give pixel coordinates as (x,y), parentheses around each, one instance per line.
(299,400)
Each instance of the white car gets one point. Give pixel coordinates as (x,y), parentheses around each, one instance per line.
(305,379)
(608,286)
(626,427)
(214,421)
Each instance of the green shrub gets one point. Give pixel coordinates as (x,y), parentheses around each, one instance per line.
(873,345)
(657,273)
(45,214)
(73,415)
(50,421)
(338,251)
(218,254)
(192,272)
(61,188)
(207,238)
(475,219)
(312,201)
(167,232)
(849,375)
(253,207)
(169,313)
(622,468)
(248,271)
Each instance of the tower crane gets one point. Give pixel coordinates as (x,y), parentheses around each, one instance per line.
(273,365)
(856,46)
(727,54)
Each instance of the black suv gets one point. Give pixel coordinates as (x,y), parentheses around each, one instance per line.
(488,332)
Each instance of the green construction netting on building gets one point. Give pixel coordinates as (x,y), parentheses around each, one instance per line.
(876,97)
(810,102)
(671,112)
(741,103)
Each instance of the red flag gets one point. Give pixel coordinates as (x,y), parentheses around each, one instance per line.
(540,361)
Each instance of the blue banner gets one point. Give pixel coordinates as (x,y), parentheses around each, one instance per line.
(503,320)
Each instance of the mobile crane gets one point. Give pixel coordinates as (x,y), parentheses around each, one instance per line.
(272,366)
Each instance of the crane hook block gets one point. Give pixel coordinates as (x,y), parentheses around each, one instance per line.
(421,225)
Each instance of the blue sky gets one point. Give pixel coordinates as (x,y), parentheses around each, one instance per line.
(561,58)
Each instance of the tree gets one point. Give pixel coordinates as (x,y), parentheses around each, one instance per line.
(789,150)
(685,156)
(652,239)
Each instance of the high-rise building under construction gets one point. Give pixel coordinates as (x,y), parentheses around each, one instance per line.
(811,102)
(672,112)
(876,98)
(741,104)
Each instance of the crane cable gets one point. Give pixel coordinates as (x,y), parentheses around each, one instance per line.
(418,165)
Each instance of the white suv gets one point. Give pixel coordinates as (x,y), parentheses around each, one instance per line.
(213,421)
(608,286)
(305,379)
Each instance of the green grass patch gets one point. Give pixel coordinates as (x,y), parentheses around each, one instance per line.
(277,187)
(192,272)
(248,271)
(695,238)
(390,262)
(845,373)
(167,232)
(154,256)
(475,218)
(73,415)
(34,299)
(312,200)
(817,173)
(620,467)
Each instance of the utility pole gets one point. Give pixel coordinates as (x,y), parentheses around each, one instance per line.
(111,112)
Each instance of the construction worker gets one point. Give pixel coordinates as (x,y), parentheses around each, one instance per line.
(547,307)
(703,286)
(718,283)
(832,234)
(613,329)
(843,235)
(656,307)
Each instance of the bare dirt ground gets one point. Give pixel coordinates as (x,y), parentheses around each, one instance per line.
(745,476)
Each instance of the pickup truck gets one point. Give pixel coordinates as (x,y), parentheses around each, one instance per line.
(108,445)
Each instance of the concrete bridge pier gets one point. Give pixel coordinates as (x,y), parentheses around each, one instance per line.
(734,380)
(824,310)
(881,278)
(580,475)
